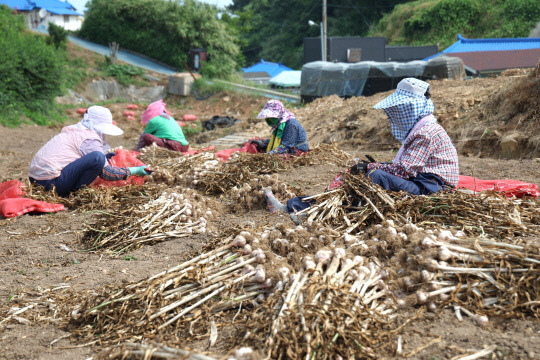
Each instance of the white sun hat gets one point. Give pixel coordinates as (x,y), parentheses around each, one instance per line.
(100,119)
(408,90)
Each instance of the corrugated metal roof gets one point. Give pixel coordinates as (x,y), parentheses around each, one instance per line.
(503,44)
(62,11)
(56,7)
(499,60)
(464,45)
(271,68)
(22,5)
(52,4)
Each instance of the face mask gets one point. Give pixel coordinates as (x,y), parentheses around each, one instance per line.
(272,121)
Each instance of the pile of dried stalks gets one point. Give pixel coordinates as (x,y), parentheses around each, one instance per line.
(178,301)
(483,276)
(359,202)
(212,176)
(336,306)
(176,213)
(102,198)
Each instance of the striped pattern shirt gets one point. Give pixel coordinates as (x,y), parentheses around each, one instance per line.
(113,173)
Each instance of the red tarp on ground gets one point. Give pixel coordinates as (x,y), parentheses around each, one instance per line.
(509,187)
(13,203)
(123,158)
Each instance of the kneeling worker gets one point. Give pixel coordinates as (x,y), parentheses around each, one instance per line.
(76,157)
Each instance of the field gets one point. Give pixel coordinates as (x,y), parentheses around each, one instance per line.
(58,267)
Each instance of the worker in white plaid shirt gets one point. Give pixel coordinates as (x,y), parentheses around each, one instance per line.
(427,161)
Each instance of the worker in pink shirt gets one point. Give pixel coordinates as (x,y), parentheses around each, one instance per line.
(76,156)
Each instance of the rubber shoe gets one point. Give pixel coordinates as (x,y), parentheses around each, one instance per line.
(273,203)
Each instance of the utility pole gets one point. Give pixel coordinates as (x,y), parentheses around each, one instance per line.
(324,30)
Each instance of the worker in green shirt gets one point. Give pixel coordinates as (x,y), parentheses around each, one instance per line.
(161,129)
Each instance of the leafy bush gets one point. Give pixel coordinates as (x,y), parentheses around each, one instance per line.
(123,72)
(57,36)
(163,30)
(31,73)
(425,22)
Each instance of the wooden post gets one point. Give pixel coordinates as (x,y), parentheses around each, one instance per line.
(113,47)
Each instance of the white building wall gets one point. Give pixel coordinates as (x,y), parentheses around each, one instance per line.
(68,22)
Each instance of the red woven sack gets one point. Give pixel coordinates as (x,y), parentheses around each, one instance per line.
(189,117)
(19,206)
(123,158)
(13,203)
(11,189)
(226,154)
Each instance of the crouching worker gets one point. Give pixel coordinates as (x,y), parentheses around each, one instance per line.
(161,129)
(427,161)
(288,136)
(75,157)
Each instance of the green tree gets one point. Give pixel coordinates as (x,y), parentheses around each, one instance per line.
(57,36)
(274,30)
(426,22)
(31,72)
(164,30)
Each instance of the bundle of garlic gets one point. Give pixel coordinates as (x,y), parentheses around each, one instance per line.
(336,306)
(482,275)
(176,213)
(437,268)
(249,196)
(131,350)
(359,203)
(212,282)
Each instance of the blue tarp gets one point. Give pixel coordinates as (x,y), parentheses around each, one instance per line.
(503,44)
(56,7)
(271,68)
(287,79)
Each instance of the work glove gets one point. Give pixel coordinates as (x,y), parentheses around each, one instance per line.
(139,170)
(260,145)
(110,155)
(361,167)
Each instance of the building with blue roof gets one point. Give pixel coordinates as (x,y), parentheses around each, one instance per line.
(483,56)
(39,13)
(271,68)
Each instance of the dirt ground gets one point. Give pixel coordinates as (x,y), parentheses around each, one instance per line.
(44,251)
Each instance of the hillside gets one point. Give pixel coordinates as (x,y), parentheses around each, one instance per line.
(428,22)
(129,273)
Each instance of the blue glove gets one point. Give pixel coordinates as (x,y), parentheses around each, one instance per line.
(110,155)
(138,170)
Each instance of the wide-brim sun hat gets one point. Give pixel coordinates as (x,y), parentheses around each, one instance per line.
(408,89)
(272,109)
(101,119)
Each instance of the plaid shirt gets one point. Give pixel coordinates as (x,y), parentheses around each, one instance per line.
(112,173)
(430,150)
